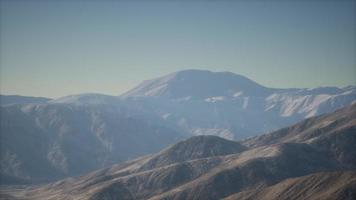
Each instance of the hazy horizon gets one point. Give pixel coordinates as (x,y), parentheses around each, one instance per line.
(93,92)
(53,49)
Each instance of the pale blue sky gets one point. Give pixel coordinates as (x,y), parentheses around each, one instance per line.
(56,48)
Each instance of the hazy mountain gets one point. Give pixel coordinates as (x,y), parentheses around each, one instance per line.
(309,130)
(87,99)
(198,84)
(48,139)
(230,105)
(41,142)
(312,159)
(16,99)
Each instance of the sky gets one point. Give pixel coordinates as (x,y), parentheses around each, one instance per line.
(56,48)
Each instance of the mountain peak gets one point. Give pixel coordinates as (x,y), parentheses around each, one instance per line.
(195,147)
(198,84)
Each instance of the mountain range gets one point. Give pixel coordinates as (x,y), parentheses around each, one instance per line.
(48,139)
(312,159)
(233,106)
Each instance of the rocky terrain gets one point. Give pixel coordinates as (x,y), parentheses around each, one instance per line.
(313,159)
(323,185)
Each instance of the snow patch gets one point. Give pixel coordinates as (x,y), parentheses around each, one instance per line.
(237,94)
(215,99)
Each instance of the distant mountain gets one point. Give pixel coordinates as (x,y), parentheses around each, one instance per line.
(43,142)
(79,133)
(313,159)
(87,99)
(198,84)
(231,105)
(16,99)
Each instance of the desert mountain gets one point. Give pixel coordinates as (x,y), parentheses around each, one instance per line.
(44,139)
(198,84)
(194,148)
(42,142)
(231,105)
(321,162)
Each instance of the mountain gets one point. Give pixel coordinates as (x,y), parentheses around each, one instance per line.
(230,105)
(44,142)
(16,99)
(309,130)
(194,148)
(79,133)
(314,159)
(198,84)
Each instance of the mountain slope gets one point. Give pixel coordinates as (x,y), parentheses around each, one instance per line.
(219,168)
(51,141)
(17,99)
(87,99)
(323,185)
(194,148)
(310,129)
